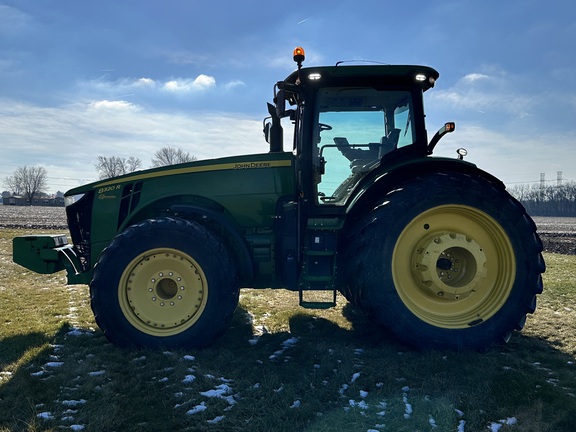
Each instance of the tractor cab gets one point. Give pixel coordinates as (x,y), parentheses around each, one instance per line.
(349,121)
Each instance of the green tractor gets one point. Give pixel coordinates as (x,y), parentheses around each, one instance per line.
(432,248)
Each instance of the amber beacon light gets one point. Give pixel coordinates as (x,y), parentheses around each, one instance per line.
(299,56)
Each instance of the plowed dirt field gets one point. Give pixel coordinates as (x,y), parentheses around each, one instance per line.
(557,234)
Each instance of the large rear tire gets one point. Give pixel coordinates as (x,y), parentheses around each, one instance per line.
(164,283)
(446,261)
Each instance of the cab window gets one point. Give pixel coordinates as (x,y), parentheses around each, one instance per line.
(355,128)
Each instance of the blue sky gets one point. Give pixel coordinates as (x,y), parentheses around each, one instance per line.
(81,79)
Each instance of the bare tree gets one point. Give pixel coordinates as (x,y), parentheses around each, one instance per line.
(115,166)
(27,181)
(547,200)
(170,156)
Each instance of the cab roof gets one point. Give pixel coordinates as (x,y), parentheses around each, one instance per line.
(374,75)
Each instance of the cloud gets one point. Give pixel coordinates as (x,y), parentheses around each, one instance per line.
(498,95)
(68,139)
(475,77)
(201,82)
(514,158)
(13,21)
(112,105)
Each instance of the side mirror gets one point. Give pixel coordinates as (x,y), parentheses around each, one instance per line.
(267,126)
(280,101)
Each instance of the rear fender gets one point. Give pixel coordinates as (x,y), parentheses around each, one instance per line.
(388,178)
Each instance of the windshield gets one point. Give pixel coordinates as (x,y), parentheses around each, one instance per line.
(355,128)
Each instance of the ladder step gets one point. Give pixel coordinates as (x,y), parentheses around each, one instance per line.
(317,299)
(317,305)
(317,278)
(319,252)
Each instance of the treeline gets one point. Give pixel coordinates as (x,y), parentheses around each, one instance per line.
(557,201)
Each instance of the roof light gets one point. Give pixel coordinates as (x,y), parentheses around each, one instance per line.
(420,77)
(299,54)
(314,76)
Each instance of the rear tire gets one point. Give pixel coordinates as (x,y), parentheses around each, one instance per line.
(164,283)
(446,261)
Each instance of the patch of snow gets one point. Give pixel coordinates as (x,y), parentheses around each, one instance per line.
(407,407)
(73,403)
(296,404)
(46,415)
(197,409)
(139,359)
(216,420)
(77,427)
(495,427)
(78,332)
(432,422)
(221,392)
(290,342)
(188,379)
(54,364)
(460,413)
(97,373)
(189,358)
(355,377)
(461,425)
(363,394)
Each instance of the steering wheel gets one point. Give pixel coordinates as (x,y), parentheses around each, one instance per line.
(324,127)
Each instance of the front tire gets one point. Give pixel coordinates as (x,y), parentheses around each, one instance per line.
(447,261)
(164,283)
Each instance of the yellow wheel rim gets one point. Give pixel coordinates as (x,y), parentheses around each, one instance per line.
(453,266)
(163,292)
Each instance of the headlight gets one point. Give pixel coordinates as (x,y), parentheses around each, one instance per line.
(69,200)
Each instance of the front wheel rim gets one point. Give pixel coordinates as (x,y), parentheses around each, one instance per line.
(453,266)
(163,292)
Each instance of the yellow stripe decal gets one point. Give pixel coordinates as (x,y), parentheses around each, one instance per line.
(205,168)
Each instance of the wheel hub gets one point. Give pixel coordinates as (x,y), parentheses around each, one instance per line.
(450,265)
(165,291)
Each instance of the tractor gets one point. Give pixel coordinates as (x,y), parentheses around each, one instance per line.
(433,249)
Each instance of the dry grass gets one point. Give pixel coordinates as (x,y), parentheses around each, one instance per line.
(279,368)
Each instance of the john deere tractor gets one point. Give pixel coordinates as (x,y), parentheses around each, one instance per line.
(432,248)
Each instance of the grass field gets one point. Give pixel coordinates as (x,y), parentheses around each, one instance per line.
(278,368)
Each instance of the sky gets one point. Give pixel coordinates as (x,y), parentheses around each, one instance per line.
(81,79)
